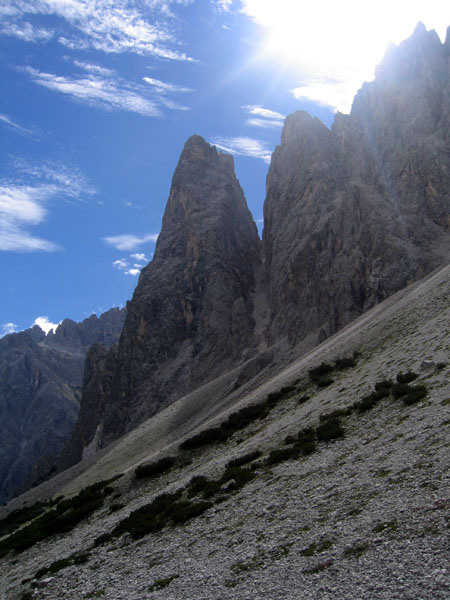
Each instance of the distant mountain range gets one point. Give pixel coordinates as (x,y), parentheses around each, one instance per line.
(40,390)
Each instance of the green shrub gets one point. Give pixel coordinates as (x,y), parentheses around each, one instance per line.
(238,476)
(324,382)
(399,390)
(281,454)
(368,401)
(319,372)
(212,488)
(235,421)
(63,563)
(63,518)
(204,438)
(384,384)
(406,377)
(415,394)
(244,459)
(115,506)
(163,465)
(181,512)
(20,516)
(306,446)
(345,363)
(330,429)
(149,518)
(290,439)
(197,485)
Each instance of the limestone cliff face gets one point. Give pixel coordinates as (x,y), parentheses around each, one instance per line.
(40,389)
(355,213)
(190,318)
(352,215)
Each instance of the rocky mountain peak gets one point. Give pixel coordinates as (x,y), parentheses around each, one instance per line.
(351,215)
(191,315)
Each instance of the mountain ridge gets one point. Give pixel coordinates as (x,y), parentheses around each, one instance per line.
(40,390)
(352,214)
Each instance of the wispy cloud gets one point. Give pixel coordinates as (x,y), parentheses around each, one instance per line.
(130,241)
(334,92)
(9,122)
(7,328)
(26,32)
(260,111)
(244,146)
(96,69)
(263,117)
(95,90)
(105,89)
(166,88)
(142,27)
(68,180)
(23,202)
(45,324)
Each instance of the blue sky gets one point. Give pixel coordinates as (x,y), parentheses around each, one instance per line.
(99,96)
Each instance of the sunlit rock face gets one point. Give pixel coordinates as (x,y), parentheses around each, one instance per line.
(190,318)
(40,389)
(356,213)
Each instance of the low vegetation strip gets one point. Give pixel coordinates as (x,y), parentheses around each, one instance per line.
(63,518)
(236,421)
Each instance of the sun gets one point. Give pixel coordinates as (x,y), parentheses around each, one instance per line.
(339,42)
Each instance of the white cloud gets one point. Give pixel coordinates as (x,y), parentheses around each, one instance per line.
(7,328)
(166,88)
(140,257)
(21,206)
(122,264)
(265,123)
(8,121)
(96,69)
(260,111)
(223,5)
(263,117)
(105,93)
(129,241)
(244,146)
(110,26)
(335,92)
(45,324)
(26,32)
(23,203)
(68,179)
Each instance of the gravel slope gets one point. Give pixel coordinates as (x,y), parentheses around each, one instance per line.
(365,517)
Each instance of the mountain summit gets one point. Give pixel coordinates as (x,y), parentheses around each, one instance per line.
(352,214)
(190,318)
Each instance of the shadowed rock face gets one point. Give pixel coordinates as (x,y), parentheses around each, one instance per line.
(356,213)
(190,318)
(40,390)
(352,215)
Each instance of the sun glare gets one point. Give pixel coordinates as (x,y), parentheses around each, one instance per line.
(339,43)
